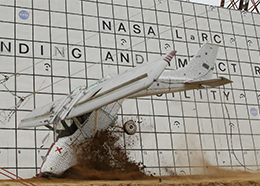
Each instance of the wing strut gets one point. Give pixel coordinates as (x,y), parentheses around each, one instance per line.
(96,120)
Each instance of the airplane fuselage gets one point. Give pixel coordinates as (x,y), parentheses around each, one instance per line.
(63,153)
(79,115)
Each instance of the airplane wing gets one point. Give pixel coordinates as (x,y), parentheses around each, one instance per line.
(121,86)
(44,115)
(99,95)
(37,117)
(211,82)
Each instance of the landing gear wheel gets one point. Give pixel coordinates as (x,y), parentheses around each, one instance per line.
(130,127)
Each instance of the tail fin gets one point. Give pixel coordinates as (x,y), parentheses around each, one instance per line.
(200,67)
(169,57)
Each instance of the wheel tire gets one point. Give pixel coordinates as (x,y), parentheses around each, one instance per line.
(130,127)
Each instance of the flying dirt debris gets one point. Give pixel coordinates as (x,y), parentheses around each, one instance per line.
(102,157)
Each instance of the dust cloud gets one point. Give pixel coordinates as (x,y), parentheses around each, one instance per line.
(103,158)
(103,161)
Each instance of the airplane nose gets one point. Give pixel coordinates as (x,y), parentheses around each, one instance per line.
(44,174)
(60,158)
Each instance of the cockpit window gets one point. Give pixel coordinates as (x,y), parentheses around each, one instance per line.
(70,126)
(69,130)
(83,119)
(69,122)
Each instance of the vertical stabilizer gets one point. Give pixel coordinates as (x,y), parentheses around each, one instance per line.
(200,67)
(169,57)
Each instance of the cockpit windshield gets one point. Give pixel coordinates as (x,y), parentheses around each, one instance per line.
(70,126)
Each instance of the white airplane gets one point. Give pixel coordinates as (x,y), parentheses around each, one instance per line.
(79,115)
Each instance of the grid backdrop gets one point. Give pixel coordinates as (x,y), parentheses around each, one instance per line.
(48,48)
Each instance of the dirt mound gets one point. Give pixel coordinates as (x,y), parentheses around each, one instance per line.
(101,157)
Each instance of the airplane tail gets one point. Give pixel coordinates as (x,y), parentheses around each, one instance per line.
(196,75)
(200,67)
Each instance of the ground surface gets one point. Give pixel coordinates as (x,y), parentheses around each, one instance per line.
(238,178)
(104,163)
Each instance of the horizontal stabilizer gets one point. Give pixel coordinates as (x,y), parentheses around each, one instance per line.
(211,82)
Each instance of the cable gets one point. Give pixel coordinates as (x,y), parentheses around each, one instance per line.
(111,116)
(4,84)
(77,88)
(231,142)
(7,117)
(112,56)
(18,73)
(66,49)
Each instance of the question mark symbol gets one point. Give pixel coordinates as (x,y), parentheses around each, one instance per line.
(47,66)
(167,46)
(232,40)
(232,125)
(242,96)
(250,43)
(123,42)
(212,7)
(177,124)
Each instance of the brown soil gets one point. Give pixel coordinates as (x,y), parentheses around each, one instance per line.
(102,158)
(235,179)
(103,162)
